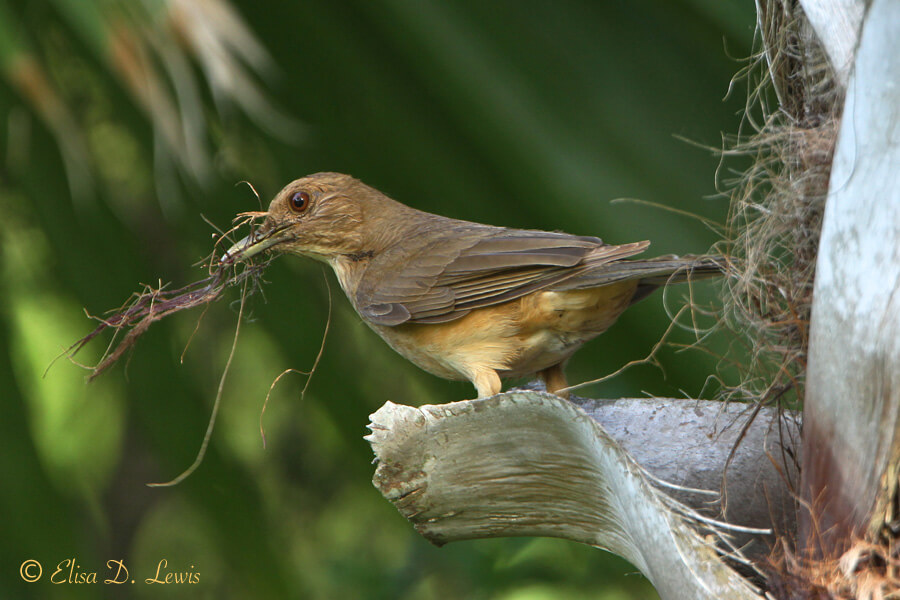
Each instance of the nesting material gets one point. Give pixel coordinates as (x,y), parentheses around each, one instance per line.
(152,304)
(777,204)
(865,570)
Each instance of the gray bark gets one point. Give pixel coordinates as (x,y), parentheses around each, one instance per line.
(689,443)
(837,23)
(852,407)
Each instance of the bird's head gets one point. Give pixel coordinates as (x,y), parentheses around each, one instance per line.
(321,216)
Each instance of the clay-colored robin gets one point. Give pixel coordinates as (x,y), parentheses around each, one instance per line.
(463,300)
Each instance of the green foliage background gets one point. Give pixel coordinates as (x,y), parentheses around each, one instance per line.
(529,114)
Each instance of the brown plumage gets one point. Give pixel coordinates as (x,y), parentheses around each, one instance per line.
(463,300)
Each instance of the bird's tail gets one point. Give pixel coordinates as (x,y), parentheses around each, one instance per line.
(663,270)
(652,273)
(672,269)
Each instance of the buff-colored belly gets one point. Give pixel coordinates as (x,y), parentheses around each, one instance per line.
(514,339)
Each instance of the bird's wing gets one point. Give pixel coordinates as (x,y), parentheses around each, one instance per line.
(446,278)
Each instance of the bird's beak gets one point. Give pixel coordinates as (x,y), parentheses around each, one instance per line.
(255,243)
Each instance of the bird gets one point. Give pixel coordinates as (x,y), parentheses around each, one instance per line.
(463,300)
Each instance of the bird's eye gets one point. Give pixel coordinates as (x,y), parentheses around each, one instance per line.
(299,202)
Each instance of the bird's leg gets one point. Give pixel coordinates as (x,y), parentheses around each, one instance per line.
(555,380)
(487,382)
